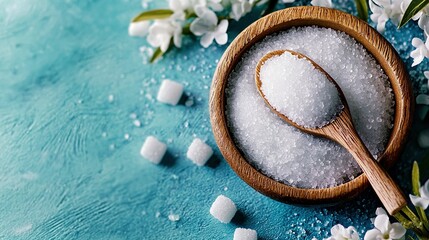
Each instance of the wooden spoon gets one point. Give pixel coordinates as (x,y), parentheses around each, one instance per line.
(342,131)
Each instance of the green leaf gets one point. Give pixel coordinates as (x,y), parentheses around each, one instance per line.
(152,15)
(415,179)
(412,9)
(362,9)
(157,54)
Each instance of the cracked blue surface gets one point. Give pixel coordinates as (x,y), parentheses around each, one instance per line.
(67,170)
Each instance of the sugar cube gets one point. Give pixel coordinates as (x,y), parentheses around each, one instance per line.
(170,92)
(223,209)
(153,150)
(199,152)
(245,234)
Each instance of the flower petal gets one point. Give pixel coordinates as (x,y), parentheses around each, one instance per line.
(397,231)
(221,39)
(139,29)
(199,27)
(351,233)
(373,234)
(223,26)
(416,42)
(207,39)
(419,201)
(382,223)
(380,211)
(424,190)
(337,230)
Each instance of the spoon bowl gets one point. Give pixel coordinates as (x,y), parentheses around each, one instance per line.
(342,130)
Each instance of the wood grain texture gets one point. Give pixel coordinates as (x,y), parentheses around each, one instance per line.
(382,51)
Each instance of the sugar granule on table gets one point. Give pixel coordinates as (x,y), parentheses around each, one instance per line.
(170,92)
(282,152)
(245,234)
(223,209)
(296,89)
(153,150)
(199,152)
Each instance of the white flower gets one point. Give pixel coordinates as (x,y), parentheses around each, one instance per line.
(339,232)
(379,211)
(422,16)
(190,5)
(239,8)
(385,230)
(288,1)
(420,52)
(423,200)
(161,31)
(206,25)
(322,3)
(383,10)
(138,29)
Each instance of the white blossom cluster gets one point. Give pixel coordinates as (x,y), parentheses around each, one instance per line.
(393,10)
(205,22)
(383,229)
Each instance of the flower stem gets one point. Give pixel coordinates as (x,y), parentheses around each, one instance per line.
(423,217)
(403,220)
(416,221)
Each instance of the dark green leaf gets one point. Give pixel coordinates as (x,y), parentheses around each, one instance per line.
(415,179)
(157,54)
(414,7)
(362,9)
(152,15)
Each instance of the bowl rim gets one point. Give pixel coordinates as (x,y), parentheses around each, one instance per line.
(375,44)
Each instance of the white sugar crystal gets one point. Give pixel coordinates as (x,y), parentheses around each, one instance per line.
(245,234)
(153,150)
(138,29)
(199,152)
(173,217)
(170,92)
(137,123)
(284,153)
(126,136)
(111,98)
(295,88)
(223,209)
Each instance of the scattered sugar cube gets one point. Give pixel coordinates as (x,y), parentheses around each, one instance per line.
(173,217)
(245,234)
(153,150)
(170,92)
(223,209)
(199,152)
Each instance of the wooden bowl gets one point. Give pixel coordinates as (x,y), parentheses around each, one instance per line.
(382,51)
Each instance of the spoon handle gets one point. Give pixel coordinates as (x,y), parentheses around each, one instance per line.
(387,190)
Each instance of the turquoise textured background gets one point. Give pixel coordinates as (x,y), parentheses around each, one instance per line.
(67,172)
